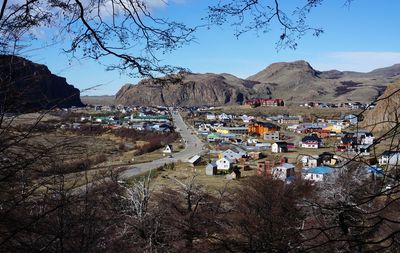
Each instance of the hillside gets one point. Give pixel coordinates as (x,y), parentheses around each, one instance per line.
(386,113)
(293,81)
(98,100)
(29,87)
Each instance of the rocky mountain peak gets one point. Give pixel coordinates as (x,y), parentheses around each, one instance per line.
(26,86)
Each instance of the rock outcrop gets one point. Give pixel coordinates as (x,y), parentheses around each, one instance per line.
(28,87)
(293,81)
(186,90)
(386,113)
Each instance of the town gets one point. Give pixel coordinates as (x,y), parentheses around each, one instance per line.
(233,145)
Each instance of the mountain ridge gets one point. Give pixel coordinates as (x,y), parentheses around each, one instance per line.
(294,81)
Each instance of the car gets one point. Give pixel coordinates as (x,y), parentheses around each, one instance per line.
(170,156)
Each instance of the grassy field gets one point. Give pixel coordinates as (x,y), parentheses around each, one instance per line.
(182,172)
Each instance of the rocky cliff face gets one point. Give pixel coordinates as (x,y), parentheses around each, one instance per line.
(293,81)
(186,90)
(386,113)
(28,87)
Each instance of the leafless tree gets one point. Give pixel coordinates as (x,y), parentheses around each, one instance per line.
(125,30)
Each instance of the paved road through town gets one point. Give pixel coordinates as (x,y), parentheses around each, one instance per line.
(193,146)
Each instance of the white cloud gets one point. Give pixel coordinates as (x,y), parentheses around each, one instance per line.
(358,61)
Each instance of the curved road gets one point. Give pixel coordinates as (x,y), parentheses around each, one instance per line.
(193,146)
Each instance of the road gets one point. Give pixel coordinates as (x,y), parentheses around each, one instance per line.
(193,146)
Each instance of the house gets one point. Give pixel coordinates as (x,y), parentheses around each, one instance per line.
(210,116)
(265,102)
(310,141)
(351,118)
(247,119)
(281,146)
(224,164)
(334,128)
(261,128)
(232,130)
(284,172)
(272,136)
(232,155)
(290,120)
(255,155)
(213,137)
(317,174)
(389,158)
(328,158)
(347,143)
(211,169)
(310,162)
(367,139)
(167,149)
(195,160)
(224,116)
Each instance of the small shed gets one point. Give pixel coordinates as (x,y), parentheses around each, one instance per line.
(211,169)
(195,160)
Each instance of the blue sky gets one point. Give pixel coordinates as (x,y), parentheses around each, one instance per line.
(360,38)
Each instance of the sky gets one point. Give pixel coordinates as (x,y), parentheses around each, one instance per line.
(362,37)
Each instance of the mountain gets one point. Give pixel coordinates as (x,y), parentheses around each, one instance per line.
(28,87)
(386,112)
(293,81)
(299,82)
(186,89)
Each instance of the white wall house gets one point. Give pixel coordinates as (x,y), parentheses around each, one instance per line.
(283,171)
(167,149)
(210,116)
(224,164)
(390,158)
(309,144)
(317,174)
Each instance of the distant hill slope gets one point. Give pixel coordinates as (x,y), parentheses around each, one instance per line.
(98,100)
(27,87)
(386,113)
(293,81)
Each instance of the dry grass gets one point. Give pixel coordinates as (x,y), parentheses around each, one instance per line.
(183,171)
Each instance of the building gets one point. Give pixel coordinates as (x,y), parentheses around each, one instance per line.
(281,146)
(232,155)
(261,128)
(272,136)
(224,164)
(389,158)
(232,130)
(287,120)
(264,168)
(351,118)
(211,169)
(210,116)
(284,172)
(317,174)
(310,162)
(310,141)
(167,149)
(255,102)
(195,160)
